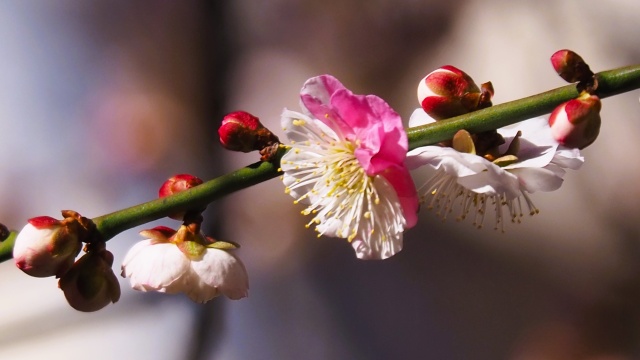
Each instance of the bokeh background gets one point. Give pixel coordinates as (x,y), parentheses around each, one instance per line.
(101,101)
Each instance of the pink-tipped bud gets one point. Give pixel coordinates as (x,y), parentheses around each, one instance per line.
(47,247)
(91,284)
(241,131)
(576,123)
(449,91)
(176,184)
(571,67)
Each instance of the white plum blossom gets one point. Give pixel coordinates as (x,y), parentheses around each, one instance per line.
(170,264)
(475,184)
(346,163)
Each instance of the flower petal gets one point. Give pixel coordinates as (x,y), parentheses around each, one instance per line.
(569,158)
(221,271)
(155,267)
(401,181)
(537,179)
(419,117)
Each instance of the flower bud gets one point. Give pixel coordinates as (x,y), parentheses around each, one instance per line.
(91,284)
(571,67)
(576,123)
(47,247)
(176,184)
(241,131)
(449,91)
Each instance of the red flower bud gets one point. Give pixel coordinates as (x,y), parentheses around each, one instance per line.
(449,91)
(241,131)
(571,67)
(176,184)
(576,123)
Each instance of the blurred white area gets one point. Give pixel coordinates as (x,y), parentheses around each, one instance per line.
(94,98)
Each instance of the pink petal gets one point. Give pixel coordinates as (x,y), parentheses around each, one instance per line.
(315,97)
(400,179)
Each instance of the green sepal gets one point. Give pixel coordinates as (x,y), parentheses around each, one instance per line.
(223,245)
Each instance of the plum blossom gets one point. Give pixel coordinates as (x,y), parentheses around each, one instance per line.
(346,163)
(531,161)
(174,262)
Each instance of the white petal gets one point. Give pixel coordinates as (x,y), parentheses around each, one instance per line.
(301,128)
(450,160)
(537,179)
(381,238)
(155,267)
(133,252)
(223,271)
(420,117)
(568,158)
(535,130)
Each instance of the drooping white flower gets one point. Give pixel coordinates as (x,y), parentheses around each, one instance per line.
(346,165)
(478,185)
(169,263)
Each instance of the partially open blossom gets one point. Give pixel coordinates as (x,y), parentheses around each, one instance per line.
(47,247)
(90,284)
(528,160)
(241,131)
(449,91)
(176,184)
(570,66)
(576,123)
(346,163)
(173,262)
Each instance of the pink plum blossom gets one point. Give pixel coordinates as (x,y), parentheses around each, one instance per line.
(346,162)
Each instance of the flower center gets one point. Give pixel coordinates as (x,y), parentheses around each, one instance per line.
(342,198)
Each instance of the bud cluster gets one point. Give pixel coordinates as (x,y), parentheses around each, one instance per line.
(49,247)
(576,123)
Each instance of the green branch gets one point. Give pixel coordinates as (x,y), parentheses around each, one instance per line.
(6,247)
(610,83)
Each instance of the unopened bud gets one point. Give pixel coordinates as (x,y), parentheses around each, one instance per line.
(241,131)
(449,91)
(571,67)
(176,184)
(47,247)
(91,284)
(576,123)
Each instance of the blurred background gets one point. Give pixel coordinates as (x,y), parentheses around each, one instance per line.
(101,101)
